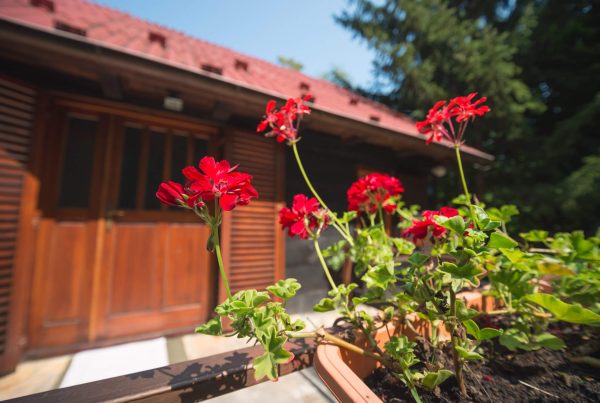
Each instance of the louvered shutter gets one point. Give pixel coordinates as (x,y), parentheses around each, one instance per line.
(253,241)
(16,125)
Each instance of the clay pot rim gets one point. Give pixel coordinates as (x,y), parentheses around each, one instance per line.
(341,380)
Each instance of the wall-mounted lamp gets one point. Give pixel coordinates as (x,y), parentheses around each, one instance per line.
(172,102)
(439,171)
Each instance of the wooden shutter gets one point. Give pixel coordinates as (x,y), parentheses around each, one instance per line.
(16,126)
(253,240)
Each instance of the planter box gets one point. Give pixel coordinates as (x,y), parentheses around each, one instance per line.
(343,371)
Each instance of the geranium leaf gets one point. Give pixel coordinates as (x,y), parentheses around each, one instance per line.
(554,267)
(499,240)
(534,235)
(468,271)
(285,289)
(468,355)
(432,379)
(275,354)
(566,312)
(489,333)
(325,305)
(212,327)
(472,328)
(550,341)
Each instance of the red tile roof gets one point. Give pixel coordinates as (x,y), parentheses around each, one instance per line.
(129,34)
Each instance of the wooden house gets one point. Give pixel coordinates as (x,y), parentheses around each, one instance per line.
(97,108)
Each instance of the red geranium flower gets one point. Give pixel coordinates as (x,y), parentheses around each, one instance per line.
(305,218)
(284,122)
(421,229)
(173,194)
(438,122)
(217,180)
(372,190)
(433,125)
(463,109)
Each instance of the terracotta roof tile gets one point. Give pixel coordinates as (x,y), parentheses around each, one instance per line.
(132,34)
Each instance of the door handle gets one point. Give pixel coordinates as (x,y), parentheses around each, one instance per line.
(110,217)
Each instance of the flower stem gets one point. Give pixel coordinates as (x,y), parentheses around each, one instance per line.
(321,334)
(324,264)
(458,365)
(336,223)
(464,182)
(215,234)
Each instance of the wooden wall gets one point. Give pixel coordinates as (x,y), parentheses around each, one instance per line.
(253,241)
(17,111)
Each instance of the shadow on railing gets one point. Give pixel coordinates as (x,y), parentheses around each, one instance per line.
(188,381)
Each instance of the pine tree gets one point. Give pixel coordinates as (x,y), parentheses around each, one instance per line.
(531,58)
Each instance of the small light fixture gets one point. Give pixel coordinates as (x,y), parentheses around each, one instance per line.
(172,102)
(439,171)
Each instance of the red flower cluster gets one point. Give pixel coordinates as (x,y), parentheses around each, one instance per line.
(438,122)
(213,180)
(421,229)
(305,218)
(372,190)
(284,122)
(173,194)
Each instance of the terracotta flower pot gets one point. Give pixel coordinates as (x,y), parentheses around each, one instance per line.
(343,371)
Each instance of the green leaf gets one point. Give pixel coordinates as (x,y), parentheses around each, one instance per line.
(359,300)
(212,327)
(468,272)
(489,333)
(325,305)
(468,355)
(534,235)
(563,311)
(514,255)
(549,341)
(403,246)
(463,313)
(433,379)
(472,328)
(514,339)
(266,364)
(499,240)
(554,267)
(380,276)
(285,289)
(455,224)
(418,259)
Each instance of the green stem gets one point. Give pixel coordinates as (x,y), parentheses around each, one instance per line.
(336,223)
(325,268)
(215,232)
(322,335)
(464,182)
(458,368)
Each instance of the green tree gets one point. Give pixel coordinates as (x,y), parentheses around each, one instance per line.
(290,62)
(538,63)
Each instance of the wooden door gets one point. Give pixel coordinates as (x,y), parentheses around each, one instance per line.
(111,262)
(156,270)
(68,229)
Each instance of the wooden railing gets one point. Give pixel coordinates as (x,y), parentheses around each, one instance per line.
(188,381)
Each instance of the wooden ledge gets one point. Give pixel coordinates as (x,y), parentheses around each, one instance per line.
(188,381)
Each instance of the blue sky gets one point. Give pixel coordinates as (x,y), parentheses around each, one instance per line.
(303,30)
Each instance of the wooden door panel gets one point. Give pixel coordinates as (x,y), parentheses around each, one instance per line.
(62,284)
(134,269)
(186,265)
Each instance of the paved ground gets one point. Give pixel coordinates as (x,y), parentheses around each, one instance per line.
(41,375)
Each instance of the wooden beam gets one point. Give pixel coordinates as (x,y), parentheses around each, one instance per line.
(193,380)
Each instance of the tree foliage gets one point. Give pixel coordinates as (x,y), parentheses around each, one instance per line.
(539,63)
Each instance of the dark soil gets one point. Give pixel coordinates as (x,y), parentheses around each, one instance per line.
(502,376)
